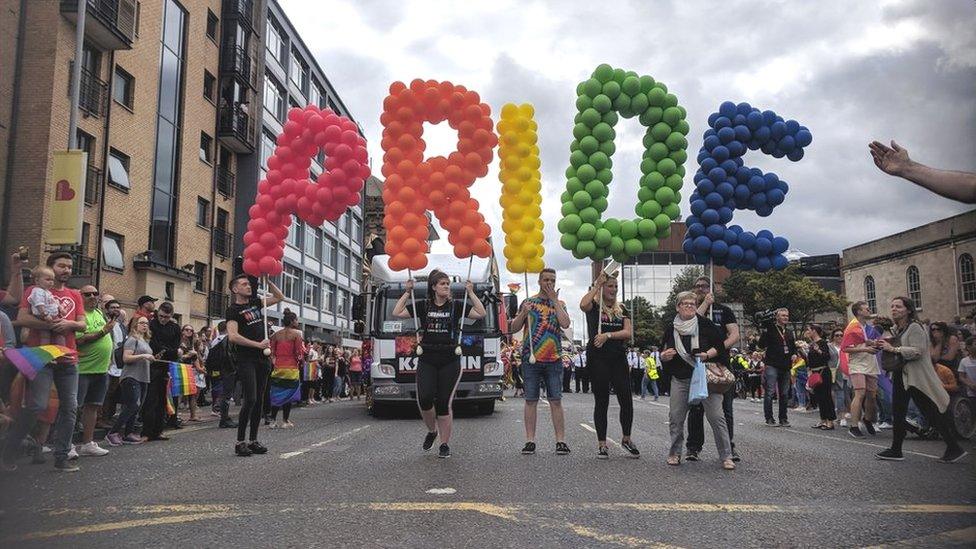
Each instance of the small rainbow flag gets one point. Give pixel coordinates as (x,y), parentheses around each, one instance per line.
(310,371)
(30,360)
(181,380)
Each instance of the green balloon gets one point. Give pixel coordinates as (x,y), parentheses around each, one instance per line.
(639,103)
(667,167)
(608,148)
(570,172)
(573,186)
(616,245)
(619,75)
(662,221)
(565,197)
(653,181)
(674,181)
(620,257)
(622,105)
(589,215)
(577,159)
(581,130)
(602,103)
(610,118)
(611,89)
(680,171)
(578,255)
(579,88)
(658,151)
(648,165)
(569,208)
(651,209)
(682,127)
(599,255)
(568,241)
(633,247)
(679,157)
(599,160)
(589,145)
(578,118)
(643,195)
(665,233)
(646,228)
(605,176)
(612,225)
(585,247)
(676,141)
(574,145)
(651,116)
(583,102)
(659,131)
(603,73)
(603,132)
(590,117)
(601,204)
(670,100)
(596,189)
(673,211)
(656,96)
(571,224)
(663,86)
(664,196)
(631,86)
(592,87)
(646,83)
(582,199)
(672,116)
(602,238)
(628,229)
(586,173)
(650,243)
(586,231)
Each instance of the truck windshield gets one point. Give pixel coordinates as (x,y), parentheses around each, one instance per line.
(385,323)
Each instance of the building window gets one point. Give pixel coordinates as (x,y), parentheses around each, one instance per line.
(199,272)
(869,295)
(312,294)
(329,252)
(298,71)
(328,297)
(274,98)
(313,242)
(296,234)
(212,26)
(267,148)
(276,45)
(123,87)
(113,248)
(315,94)
(343,305)
(357,230)
(914,286)
(118,169)
(967,277)
(203,212)
(290,280)
(210,87)
(343,267)
(206,148)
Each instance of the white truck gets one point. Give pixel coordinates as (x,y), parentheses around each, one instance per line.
(394,358)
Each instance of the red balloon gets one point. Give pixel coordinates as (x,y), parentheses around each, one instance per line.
(266,264)
(252,267)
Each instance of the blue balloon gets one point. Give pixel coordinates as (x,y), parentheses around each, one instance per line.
(763,246)
(804,137)
(742,194)
(725,190)
(712,118)
(722,122)
(692,219)
(736,148)
(735,252)
(688,245)
(754,120)
(698,206)
(775,197)
(727,109)
(787,144)
(780,262)
(792,126)
(711,142)
(736,229)
(770,181)
(783,186)
(747,240)
(742,175)
(714,232)
(757,200)
(763,264)
(762,135)
(749,258)
(720,154)
(725,213)
(710,216)
(699,175)
(717,175)
(730,237)
(706,187)
(769,117)
(729,167)
(795,155)
(702,244)
(780,244)
(708,164)
(714,200)
(777,130)
(765,233)
(726,134)
(739,120)
(719,248)
(764,211)
(744,108)
(708,133)
(757,184)
(768,147)
(742,133)
(695,230)
(702,155)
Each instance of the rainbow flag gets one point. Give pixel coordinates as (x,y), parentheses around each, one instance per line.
(285,385)
(855,334)
(30,360)
(310,371)
(181,380)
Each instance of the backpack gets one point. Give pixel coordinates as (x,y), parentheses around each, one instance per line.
(219,359)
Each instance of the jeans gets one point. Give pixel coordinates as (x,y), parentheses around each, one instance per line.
(65,380)
(548,373)
(713,412)
(337,386)
(801,392)
(928,408)
(132,393)
(776,379)
(840,391)
(652,383)
(884,405)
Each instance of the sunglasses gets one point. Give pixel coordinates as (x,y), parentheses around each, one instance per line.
(90,294)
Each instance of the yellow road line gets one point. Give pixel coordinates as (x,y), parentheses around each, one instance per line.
(127,524)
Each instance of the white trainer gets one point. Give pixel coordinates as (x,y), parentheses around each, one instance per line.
(92,449)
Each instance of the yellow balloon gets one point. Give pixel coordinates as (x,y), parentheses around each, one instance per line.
(535,265)
(521,180)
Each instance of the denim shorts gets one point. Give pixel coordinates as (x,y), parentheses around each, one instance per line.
(550,373)
(92,389)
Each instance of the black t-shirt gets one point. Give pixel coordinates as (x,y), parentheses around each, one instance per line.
(165,339)
(721,316)
(439,323)
(610,324)
(250,324)
(818,355)
(779,346)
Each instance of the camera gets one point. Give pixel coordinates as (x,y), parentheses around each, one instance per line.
(24,253)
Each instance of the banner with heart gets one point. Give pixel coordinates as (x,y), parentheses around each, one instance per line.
(287,189)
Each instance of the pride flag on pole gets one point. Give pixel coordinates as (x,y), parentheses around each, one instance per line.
(181,380)
(30,360)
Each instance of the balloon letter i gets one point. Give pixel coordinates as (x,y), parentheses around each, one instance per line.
(521,200)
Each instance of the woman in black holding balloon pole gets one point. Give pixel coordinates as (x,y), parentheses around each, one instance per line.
(439,363)
(609,328)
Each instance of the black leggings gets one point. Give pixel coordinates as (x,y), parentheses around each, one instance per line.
(899,409)
(285,411)
(252,374)
(606,369)
(823,394)
(438,374)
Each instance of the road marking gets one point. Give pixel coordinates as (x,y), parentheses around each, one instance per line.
(127,524)
(442,491)
(489,509)
(592,430)
(288,455)
(964,537)
(862,443)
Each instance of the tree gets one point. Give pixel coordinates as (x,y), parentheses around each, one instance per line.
(762,292)
(647,322)
(685,281)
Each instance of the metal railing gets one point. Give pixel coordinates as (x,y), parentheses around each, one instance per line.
(243,10)
(93,185)
(93,99)
(235,61)
(82,265)
(225,181)
(223,242)
(235,122)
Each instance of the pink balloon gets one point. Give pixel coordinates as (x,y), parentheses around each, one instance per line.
(266,264)
(252,267)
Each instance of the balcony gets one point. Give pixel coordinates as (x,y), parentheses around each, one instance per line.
(235,62)
(93,185)
(217,304)
(225,181)
(82,266)
(242,10)
(93,96)
(223,243)
(109,24)
(235,129)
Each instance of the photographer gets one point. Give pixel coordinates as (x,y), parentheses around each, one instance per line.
(780,347)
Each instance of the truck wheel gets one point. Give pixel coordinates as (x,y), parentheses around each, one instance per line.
(486,408)
(963,416)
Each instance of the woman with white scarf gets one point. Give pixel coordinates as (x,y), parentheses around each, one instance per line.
(690,337)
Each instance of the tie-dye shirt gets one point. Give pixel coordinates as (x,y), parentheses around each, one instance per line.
(546,333)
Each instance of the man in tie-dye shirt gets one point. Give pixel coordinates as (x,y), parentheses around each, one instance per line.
(544,317)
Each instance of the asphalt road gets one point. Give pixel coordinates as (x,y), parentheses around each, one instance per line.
(344,479)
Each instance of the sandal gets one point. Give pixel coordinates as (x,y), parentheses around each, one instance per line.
(818,426)
(728,465)
(827,427)
(674,460)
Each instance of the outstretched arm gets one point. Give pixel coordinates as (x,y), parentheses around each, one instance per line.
(954,185)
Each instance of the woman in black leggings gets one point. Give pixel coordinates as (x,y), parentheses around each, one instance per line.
(818,358)
(438,368)
(606,361)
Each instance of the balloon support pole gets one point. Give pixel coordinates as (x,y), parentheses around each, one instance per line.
(264,310)
(599,316)
(464,305)
(529,321)
(413,302)
(711,284)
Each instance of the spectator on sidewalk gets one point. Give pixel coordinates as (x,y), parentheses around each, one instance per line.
(137,356)
(113,311)
(94,354)
(165,342)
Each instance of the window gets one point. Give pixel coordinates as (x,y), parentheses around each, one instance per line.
(869,294)
(113,248)
(212,26)
(914,286)
(347,224)
(222,217)
(200,272)
(267,148)
(85,234)
(357,230)
(298,70)
(203,212)
(118,169)
(315,94)
(290,279)
(329,252)
(328,297)
(313,242)
(210,87)
(343,306)
(274,98)
(967,277)
(206,148)
(220,281)
(123,87)
(343,266)
(311,295)
(276,45)
(296,234)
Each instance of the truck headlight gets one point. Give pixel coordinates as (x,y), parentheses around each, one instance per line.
(383,371)
(493,369)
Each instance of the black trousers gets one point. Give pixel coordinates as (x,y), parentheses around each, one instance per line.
(823,395)
(253,376)
(327,383)
(899,409)
(696,422)
(582,380)
(438,374)
(228,381)
(606,369)
(636,376)
(154,415)
(567,380)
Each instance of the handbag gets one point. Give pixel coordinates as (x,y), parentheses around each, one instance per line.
(719,378)
(814,380)
(892,362)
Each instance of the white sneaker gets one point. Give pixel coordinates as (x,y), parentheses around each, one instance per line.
(73,453)
(287,425)
(91,449)
(884,425)
(843,422)
(46,450)
(275,425)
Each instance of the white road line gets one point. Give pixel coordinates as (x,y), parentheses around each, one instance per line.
(592,430)
(881,446)
(288,455)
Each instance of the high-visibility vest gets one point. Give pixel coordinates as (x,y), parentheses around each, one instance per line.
(651,368)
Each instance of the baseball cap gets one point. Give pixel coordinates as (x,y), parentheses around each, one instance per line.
(146,299)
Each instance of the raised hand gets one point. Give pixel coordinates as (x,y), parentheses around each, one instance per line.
(891,160)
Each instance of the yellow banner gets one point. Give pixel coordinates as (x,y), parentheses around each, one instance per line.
(67,200)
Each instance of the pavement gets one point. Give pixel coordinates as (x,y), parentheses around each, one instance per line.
(344,479)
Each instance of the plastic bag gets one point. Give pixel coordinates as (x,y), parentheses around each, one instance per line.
(698,391)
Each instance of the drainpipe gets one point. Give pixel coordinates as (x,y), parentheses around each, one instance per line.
(101,201)
(955,273)
(11,145)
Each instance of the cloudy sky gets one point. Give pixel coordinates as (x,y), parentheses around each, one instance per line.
(850,71)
